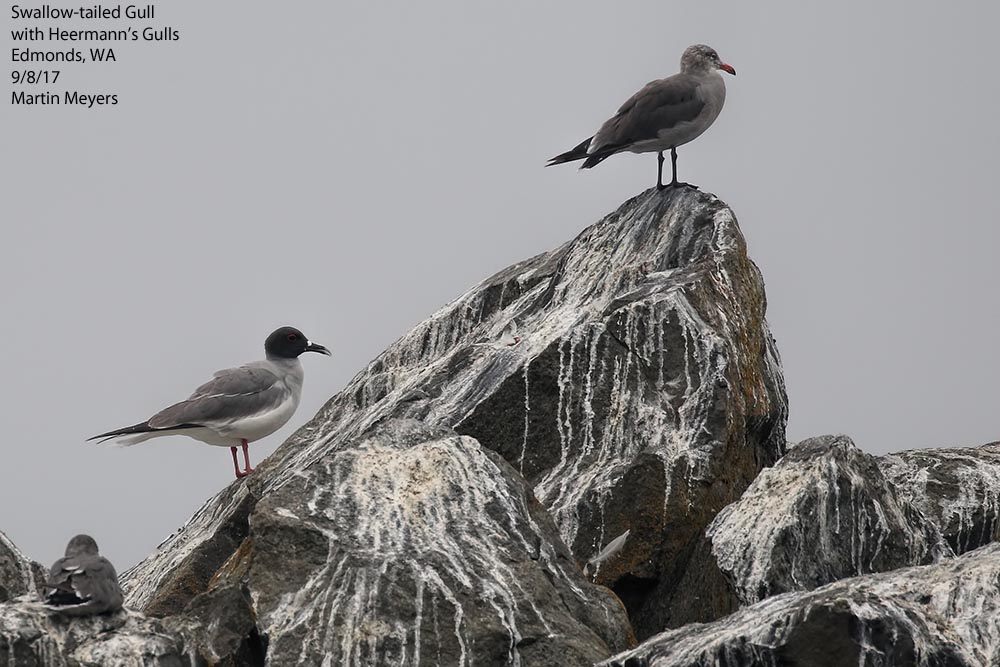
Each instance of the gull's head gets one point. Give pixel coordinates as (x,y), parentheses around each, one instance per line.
(289,343)
(82,545)
(701,58)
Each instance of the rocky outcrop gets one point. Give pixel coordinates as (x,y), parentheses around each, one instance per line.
(825,512)
(643,394)
(597,404)
(18,573)
(33,636)
(600,413)
(941,615)
(958,489)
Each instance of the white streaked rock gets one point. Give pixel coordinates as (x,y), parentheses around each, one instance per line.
(927,616)
(956,488)
(645,378)
(824,512)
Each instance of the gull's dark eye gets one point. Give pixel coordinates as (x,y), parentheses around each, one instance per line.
(292,337)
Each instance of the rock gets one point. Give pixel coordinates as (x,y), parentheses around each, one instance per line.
(642,393)
(18,573)
(645,393)
(958,489)
(412,544)
(188,559)
(220,626)
(941,615)
(824,512)
(33,636)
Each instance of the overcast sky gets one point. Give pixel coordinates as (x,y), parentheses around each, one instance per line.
(350,167)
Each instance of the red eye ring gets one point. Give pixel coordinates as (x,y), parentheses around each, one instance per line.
(292,337)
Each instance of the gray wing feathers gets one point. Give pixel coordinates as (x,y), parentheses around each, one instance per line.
(91,579)
(231,394)
(660,105)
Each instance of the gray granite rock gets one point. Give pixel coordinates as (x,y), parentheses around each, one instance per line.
(643,393)
(956,488)
(411,545)
(824,512)
(941,615)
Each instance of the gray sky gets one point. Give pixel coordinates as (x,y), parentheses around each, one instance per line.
(349,167)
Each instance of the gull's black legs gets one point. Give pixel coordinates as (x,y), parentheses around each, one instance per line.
(674,183)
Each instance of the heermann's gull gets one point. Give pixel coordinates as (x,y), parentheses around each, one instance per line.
(239,405)
(665,114)
(83,582)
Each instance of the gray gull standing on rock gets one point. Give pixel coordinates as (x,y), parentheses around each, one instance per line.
(665,114)
(83,582)
(237,406)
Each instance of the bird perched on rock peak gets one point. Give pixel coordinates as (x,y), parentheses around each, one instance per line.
(238,405)
(83,582)
(663,115)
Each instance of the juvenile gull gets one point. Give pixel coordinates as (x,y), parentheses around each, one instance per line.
(83,582)
(663,115)
(238,405)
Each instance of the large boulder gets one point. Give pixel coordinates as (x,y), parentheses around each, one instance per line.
(646,395)
(824,512)
(957,488)
(941,615)
(411,545)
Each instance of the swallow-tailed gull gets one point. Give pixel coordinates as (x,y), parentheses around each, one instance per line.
(83,582)
(663,115)
(238,405)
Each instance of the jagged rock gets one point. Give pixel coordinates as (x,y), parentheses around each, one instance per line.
(33,636)
(645,393)
(642,393)
(941,615)
(220,626)
(206,542)
(411,545)
(958,489)
(824,512)
(18,573)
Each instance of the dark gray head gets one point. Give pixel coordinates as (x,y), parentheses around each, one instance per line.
(288,343)
(82,545)
(701,58)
